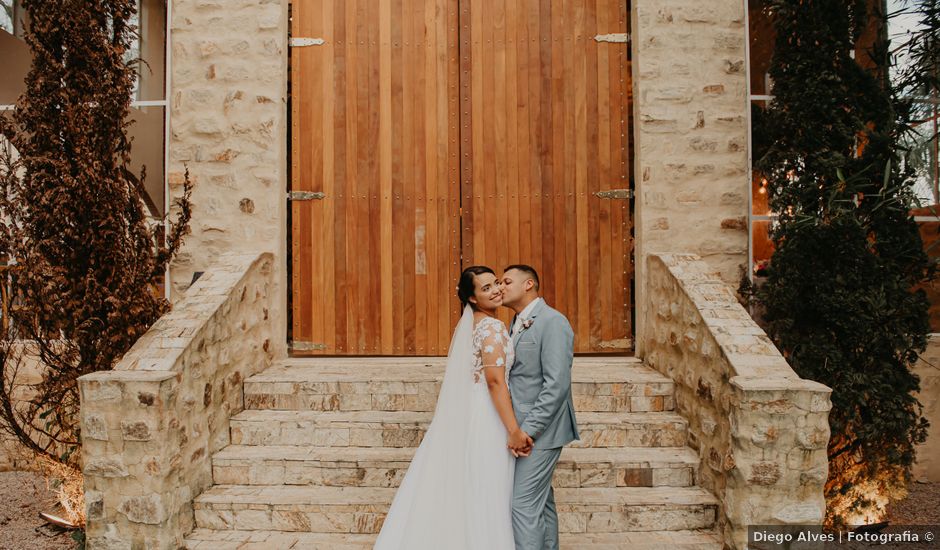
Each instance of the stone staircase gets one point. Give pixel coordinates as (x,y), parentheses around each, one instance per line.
(317,454)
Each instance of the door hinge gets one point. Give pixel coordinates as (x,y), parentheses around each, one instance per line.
(307,346)
(617,37)
(302,41)
(305,195)
(615,194)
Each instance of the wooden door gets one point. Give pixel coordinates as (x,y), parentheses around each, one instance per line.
(546,130)
(429,139)
(374,135)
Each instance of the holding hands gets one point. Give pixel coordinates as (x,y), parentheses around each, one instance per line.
(520,443)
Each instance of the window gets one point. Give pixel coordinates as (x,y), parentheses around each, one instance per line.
(148,107)
(760,49)
(925,143)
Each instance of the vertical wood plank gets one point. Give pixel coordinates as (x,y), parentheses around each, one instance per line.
(385,183)
(511,240)
(432,13)
(349,184)
(604,172)
(341,140)
(582,251)
(312,173)
(297,227)
(418,235)
(468,91)
(328,224)
(413,165)
(453,183)
(373,313)
(398,172)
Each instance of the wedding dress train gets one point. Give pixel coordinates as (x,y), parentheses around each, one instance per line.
(457,492)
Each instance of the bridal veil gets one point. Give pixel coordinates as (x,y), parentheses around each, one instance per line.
(430,509)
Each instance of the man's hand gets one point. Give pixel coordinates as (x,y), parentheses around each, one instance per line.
(520,443)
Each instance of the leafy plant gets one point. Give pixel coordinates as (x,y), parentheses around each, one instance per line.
(839,298)
(85,260)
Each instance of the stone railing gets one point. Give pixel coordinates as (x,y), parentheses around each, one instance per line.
(151,425)
(759,429)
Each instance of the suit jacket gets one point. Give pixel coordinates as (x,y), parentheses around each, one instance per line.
(540,378)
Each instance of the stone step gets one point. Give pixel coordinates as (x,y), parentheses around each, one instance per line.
(212,539)
(386,466)
(405,429)
(608,384)
(362,509)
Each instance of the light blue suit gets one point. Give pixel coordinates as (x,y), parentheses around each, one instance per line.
(540,385)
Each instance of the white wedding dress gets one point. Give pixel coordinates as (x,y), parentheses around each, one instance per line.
(457,492)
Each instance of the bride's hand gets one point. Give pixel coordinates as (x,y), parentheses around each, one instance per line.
(520,443)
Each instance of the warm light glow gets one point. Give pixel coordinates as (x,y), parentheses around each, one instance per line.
(874,492)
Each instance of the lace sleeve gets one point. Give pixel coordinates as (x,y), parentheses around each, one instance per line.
(493,349)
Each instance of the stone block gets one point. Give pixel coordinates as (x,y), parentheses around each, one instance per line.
(135,431)
(148,509)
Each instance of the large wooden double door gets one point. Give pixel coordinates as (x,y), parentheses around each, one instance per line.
(430,135)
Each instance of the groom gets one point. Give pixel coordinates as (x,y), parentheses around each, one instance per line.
(540,386)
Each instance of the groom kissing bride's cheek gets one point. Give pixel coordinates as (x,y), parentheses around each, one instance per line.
(482,477)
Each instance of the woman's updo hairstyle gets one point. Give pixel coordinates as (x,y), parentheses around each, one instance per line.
(465,287)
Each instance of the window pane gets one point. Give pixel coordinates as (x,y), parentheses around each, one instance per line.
(763,246)
(759,195)
(761,46)
(13,52)
(147,149)
(759,142)
(151,84)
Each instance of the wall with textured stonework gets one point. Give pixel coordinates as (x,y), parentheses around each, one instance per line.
(759,429)
(927,368)
(690,130)
(228,125)
(150,426)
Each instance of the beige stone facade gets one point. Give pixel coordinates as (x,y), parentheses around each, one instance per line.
(690,113)
(228,126)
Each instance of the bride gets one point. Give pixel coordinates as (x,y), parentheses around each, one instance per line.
(457,492)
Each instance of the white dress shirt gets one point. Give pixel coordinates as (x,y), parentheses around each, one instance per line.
(523,316)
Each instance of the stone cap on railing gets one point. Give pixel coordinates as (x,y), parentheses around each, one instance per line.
(749,351)
(160,348)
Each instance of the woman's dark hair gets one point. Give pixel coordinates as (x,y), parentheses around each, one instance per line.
(465,286)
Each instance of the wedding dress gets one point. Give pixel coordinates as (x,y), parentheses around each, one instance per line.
(457,492)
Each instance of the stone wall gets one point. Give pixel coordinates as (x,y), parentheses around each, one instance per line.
(228,125)
(690,129)
(759,429)
(150,426)
(927,467)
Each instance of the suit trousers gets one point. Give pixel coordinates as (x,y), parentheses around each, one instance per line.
(534,518)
